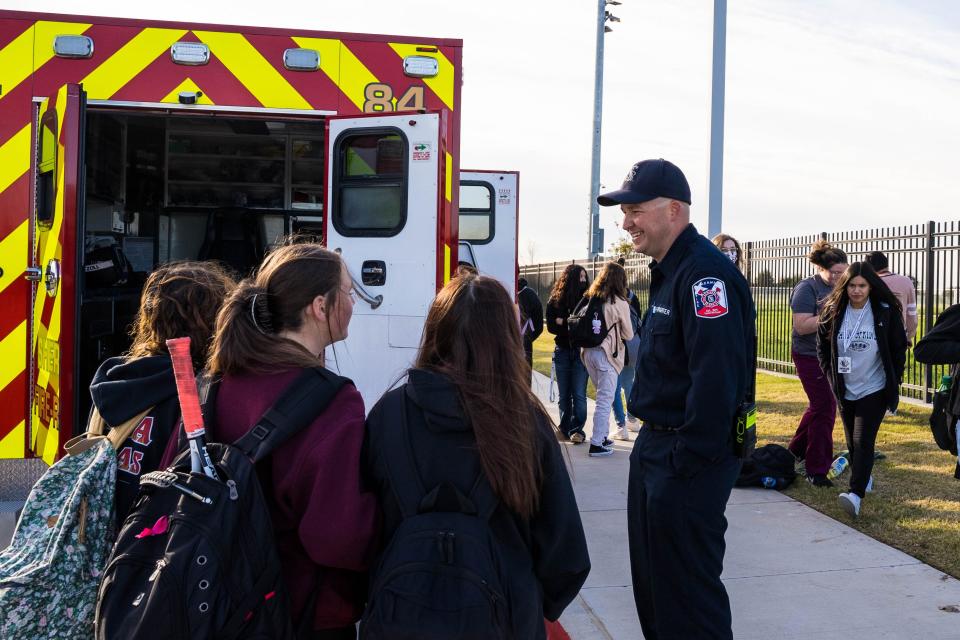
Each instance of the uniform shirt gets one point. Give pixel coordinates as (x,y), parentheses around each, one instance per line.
(808,297)
(857,340)
(696,345)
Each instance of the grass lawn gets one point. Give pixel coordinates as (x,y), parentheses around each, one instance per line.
(915,505)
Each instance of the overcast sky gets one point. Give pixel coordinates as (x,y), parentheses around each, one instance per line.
(841,114)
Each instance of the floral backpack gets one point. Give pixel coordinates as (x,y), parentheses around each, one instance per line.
(50,573)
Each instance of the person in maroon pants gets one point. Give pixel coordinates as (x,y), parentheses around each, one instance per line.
(813,441)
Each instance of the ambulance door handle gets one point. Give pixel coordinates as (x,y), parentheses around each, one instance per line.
(373,301)
(33,274)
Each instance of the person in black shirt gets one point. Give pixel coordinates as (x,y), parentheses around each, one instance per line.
(693,368)
(567,291)
(531,317)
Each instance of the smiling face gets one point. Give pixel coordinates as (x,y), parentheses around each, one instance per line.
(858,290)
(653,225)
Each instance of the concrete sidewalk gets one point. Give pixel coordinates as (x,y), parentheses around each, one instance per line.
(791,572)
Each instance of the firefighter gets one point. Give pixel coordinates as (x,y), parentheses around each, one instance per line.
(691,377)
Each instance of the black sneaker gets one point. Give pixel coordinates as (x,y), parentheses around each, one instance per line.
(819,480)
(607,442)
(596,452)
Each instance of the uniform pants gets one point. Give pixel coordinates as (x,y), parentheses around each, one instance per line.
(604,377)
(813,441)
(861,422)
(571,389)
(675,524)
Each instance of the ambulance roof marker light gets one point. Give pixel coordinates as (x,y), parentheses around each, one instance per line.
(301,59)
(421,67)
(190,53)
(73,46)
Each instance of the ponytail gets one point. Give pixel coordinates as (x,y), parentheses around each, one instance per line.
(248,336)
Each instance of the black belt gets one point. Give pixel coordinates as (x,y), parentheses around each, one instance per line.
(660,427)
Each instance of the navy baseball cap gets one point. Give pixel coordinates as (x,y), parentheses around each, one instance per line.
(649,179)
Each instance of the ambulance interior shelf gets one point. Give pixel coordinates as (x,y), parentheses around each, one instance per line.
(167,187)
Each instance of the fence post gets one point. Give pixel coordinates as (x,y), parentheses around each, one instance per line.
(928,302)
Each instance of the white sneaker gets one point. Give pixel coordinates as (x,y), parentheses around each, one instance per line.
(849,502)
(869,488)
(633,424)
(621,434)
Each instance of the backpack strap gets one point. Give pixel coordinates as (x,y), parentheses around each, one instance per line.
(405,479)
(401,467)
(299,405)
(483,497)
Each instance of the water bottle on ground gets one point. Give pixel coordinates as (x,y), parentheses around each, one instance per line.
(838,467)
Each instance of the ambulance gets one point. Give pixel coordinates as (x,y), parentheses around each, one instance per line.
(125,144)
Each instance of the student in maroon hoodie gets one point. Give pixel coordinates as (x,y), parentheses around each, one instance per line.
(178,299)
(273,325)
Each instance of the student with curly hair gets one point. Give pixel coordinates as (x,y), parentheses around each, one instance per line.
(179,299)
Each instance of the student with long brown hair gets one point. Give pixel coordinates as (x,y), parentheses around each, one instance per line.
(178,299)
(271,328)
(471,423)
(604,362)
(862,349)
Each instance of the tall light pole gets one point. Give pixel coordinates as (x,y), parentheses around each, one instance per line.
(715,220)
(595,233)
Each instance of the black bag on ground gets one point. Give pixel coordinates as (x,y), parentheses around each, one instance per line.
(943,422)
(768,461)
(185,568)
(440,575)
(587,326)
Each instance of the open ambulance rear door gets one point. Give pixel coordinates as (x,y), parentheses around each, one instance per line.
(52,321)
(488,223)
(388,212)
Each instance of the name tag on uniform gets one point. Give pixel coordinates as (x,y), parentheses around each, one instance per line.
(844,364)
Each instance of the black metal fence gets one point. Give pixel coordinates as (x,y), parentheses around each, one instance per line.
(927,253)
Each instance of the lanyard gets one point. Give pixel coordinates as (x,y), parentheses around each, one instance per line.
(849,338)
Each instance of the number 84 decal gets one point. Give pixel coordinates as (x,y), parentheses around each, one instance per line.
(379,98)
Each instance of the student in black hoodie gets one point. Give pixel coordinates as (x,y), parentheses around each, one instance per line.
(567,292)
(471,417)
(178,299)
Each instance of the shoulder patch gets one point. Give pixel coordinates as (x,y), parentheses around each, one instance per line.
(710,298)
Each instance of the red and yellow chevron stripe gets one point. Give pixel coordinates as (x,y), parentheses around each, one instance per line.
(132,63)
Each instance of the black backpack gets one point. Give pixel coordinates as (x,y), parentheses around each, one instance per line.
(196,556)
(440,576)
(587,326)
(768,461)
(945,413)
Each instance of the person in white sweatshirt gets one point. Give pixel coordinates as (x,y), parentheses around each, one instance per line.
(604,362)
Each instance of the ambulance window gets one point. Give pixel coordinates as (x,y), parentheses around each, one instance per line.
(476,212)
(47,168)
(371,183)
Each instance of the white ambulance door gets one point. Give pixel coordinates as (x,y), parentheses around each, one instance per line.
(488,222)
(384,201)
